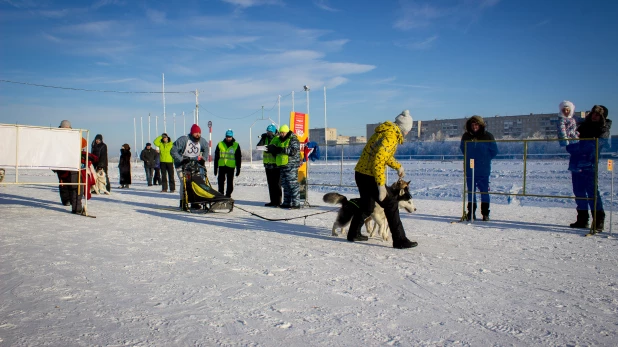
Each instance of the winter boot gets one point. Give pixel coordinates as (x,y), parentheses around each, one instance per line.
(183,206)
(471,211)
(404,243)
(599,222)
(354,233)
(485,210)
(582,219)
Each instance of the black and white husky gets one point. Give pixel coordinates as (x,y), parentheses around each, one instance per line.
(398,190)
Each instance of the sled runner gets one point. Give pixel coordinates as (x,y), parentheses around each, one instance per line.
(199,192)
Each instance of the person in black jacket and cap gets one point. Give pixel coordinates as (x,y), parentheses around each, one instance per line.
(148,156)
(583,165)
(482,153)
(99,148)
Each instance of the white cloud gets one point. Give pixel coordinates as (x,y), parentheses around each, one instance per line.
(158,17)
(323,4)
(414,14)
(51,37)
(99,28)
(22,3)
(55,13)
(102,3)
(417,45)
(542,23)
(224,41)
(252,3)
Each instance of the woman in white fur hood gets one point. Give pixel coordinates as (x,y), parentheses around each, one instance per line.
(567,125)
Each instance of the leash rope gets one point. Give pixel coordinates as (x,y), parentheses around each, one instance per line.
(284,219)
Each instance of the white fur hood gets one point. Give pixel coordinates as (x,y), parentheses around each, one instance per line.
(564,104)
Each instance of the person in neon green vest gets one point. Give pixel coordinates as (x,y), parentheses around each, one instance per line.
(227,157)
(273,173)
(286,149)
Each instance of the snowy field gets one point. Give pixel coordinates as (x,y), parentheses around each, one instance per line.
(142,275)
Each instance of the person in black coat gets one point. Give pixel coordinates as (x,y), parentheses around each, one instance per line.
(148,155)
(482,153)
(124,166)
(273,173)
(99,148)
(583,165)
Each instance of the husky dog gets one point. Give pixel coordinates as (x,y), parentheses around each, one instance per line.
(100,185)
(379,218)
(398,190)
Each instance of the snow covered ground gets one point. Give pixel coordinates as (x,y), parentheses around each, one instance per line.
(141,275)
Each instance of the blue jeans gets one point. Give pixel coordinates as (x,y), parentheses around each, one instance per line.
(149,172)
(583,187)
(482,185)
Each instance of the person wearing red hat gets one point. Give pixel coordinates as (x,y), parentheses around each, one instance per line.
(188,147)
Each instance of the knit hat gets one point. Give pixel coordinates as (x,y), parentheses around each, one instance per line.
(568,104)
(148,144)
(284,129)
(65,124)
(404,121)
(196,129)
(164,135)
(229,133)
(272,128)
(99,137)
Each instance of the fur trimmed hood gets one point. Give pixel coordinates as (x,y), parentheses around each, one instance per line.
(476,119)
(568,104)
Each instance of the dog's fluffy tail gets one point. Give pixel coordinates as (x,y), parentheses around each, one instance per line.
(334,198)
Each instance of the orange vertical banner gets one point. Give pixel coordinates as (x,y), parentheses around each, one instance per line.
(299,123)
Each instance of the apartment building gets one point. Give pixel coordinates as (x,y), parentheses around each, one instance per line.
(516,127)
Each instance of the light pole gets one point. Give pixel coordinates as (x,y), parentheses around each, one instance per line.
(325,131)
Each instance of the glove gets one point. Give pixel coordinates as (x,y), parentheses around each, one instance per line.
(237,172)
(216,170)
(381,193)
(400,172)
(185,161)
(272,149)
(201,161)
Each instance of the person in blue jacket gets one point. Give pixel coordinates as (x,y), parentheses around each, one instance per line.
(584,166)
(482,153)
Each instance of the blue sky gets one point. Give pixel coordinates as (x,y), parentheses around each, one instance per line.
(439,59)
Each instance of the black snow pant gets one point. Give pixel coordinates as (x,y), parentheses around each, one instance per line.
(157,176)
(273,177)
(368,190)
(167,173)
(226,172)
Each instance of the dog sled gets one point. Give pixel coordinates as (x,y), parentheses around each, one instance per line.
(199,195)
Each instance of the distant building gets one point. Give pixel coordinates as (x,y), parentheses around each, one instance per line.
(516,127)
(357,139)
(343,140)
(318,134)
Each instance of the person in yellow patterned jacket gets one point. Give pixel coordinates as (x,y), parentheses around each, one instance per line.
(370,177)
